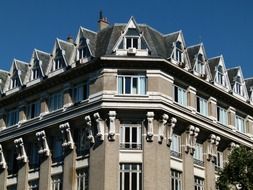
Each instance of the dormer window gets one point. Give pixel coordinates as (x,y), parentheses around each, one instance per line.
(36,73)
(178,52)
(238,86)
(83,50)
(58,60)
(132,42)
(14,82)
(220,76)
(200,64)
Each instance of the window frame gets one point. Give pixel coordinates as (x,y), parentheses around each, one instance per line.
(82,179)
(242,126)
(57,182)
(180,95)
(36,109)
(56,105)
(12,117)
(198,155)
(222,115)
(199,183)
(127,169)
(200,109)
(178,53)
(176,180)
(175,147)
(131,145)
(81,92)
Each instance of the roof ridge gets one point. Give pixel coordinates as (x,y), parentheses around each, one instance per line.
(81,27)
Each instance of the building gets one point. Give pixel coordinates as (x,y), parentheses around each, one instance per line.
(123,108)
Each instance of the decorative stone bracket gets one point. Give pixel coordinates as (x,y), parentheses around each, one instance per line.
(162,126)
(67,137)
(191,137)
(112,128)
(89,129)
(170,129)
(100,126)
(212,146)
(150,130)
(43,145)
(20,150)
(2,159)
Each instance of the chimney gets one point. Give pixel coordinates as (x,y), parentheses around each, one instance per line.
(102,22)
(70,39)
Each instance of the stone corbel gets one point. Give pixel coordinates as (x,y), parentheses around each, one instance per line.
(67,136)
(2,159)
(112,117)
(191,138)
(89,129)
(170,129)
(43,145)
(233,145)
(150,130)
(212,146)
(162,126)
(20,150)
(100,126)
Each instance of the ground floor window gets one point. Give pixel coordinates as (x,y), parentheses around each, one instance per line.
(199,183)
(176,180)
(82,179)
(130,177)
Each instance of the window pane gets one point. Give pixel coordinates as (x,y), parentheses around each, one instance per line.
(120,85)
(135,43)
(126,182)
(135,86)
(128,45)
(127,85)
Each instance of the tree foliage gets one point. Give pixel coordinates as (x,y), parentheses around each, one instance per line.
(238,170)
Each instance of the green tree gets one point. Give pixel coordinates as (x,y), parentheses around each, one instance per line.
(238,171)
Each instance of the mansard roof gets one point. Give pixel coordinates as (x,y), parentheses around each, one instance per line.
(249,85)
(213,64)
(68,48)
(21,67)
(194,50)
(232,73)
(44,58)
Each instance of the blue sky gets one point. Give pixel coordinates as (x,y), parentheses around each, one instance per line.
(225,27)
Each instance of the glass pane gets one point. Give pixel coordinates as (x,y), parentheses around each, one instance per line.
(135,43)
(142,85)
(120,85)
(135,86)
(128,45)
(134,181)
(126,182)
(127,85)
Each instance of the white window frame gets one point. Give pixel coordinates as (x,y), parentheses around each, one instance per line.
(57,182)
(82,142)
(176,180)
(12,117)
(222,115)
(220,77)
(14,82)
(203,106)
(128,168)
(199,183)
(198,154)
(238,88)
(219,162)
(131,145)
(240,124)
(181,96)
(82,179)
(58,97)
(175,146)
(140,89)
(132,41)
(200,66)
(57,150)
(178,53)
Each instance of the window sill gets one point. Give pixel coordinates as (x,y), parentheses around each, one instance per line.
(130,151)
(132,95)
(33,82)
(56,72)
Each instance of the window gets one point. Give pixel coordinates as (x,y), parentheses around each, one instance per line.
(219,161)
(33,110)
(200,64)
(132,42)
(222,115)
(180,95)
(81,92)
(175,147)
(220,76)
(33,185)
(57,182)
(239,124)
(58,62)
(238,88)
(12,162)
(55,101)
(83,50)
(33,156)
(82,143)
(82,179)
(130,177)
(36,74)
(176,180)
(202,106)
(14,83)
(57,151)
(178,52)
(12,117)
(12,187)
(198,155)
(130,136)
(199,183)
(132,84)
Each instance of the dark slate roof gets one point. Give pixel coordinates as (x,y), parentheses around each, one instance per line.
(213,62)
(44,58)
(68,48)
(249,85)
(92,39)
(232,74)
(192,51)
(170,38)
(22,67)
(3,77)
